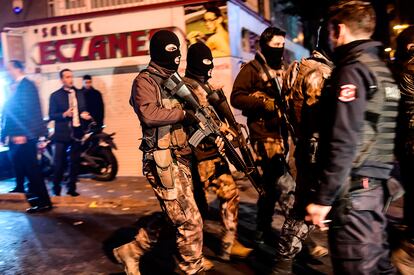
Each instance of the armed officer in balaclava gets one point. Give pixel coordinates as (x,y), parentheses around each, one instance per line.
(166,160)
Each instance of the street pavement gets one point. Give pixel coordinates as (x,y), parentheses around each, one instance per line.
(78,235)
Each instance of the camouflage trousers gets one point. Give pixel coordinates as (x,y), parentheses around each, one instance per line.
(269,154)
(292,237)
(295,232)
(215,175)
(181,211)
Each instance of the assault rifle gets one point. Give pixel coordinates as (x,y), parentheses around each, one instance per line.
(210,128)
(280,103)
(218,100)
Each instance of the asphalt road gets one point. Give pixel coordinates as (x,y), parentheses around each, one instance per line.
(78,235)
(79,241)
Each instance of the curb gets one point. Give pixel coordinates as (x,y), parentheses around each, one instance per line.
(78,201)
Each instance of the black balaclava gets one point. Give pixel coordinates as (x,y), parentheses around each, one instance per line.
(199,61)
(273,55)
(165,49)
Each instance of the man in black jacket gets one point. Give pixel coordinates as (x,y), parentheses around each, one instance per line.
(23,125)
(254,95)
(356,144)
(93,101)
(67,108)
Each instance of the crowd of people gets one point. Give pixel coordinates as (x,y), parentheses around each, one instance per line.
(346,114)
(72,110)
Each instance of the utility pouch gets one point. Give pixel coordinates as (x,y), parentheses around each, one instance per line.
(163,161)
(164,137)
(178,136)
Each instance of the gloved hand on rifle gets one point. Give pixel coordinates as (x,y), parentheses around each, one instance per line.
(227,131)
(220,145)
(269,105)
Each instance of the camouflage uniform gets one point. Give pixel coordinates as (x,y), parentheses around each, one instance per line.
(303,84)
(215,175)
(181,210)
(166,165)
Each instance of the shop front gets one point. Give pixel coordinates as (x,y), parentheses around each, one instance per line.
(112,46)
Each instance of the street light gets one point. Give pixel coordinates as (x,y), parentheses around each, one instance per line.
(17,6)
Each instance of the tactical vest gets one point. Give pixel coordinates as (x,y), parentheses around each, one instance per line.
(163,137)
(375,153)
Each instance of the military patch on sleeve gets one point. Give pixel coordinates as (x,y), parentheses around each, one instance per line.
(347,93)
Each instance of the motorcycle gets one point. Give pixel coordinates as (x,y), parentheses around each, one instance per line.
(97,157)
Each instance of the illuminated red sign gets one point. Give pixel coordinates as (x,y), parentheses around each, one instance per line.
(99,47)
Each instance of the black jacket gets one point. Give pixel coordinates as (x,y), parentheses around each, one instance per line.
(250,80)
(94,104)
(343,106)
(58,104)
(22,115)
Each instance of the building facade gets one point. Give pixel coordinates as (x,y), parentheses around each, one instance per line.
(109,39)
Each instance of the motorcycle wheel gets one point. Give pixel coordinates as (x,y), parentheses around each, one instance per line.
(109,167)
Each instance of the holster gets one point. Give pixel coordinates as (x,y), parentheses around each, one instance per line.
(393,190)
(163,158)
(163,161)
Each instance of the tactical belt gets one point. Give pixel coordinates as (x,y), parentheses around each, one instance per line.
(359,183)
